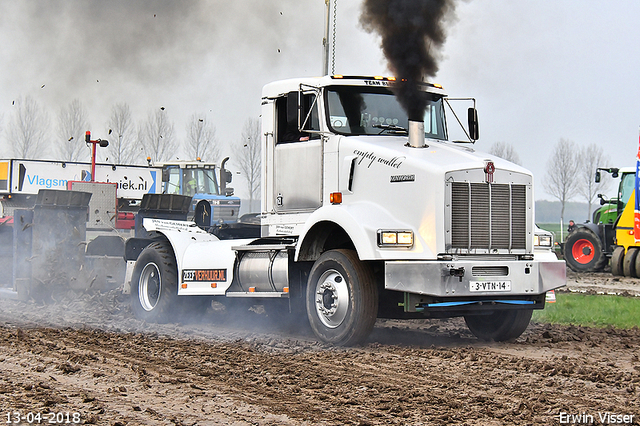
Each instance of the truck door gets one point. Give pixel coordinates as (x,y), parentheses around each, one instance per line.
(298,154)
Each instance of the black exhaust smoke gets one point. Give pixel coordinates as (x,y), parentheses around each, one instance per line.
(412,34)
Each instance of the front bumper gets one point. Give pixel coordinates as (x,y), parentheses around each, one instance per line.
(446,279)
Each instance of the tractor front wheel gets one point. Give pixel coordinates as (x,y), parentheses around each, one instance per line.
(583,251)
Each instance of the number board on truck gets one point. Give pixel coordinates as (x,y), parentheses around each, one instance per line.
(204,275)
(476,286)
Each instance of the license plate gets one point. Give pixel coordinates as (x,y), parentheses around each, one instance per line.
(490,286)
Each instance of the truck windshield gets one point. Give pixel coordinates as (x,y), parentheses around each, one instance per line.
(373,111)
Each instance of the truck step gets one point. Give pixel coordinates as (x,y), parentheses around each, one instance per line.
(263,247)
(265,294)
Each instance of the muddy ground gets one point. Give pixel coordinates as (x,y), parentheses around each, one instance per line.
(88,355)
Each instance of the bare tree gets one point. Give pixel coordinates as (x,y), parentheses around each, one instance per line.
(156,136)
(591,158)
(506,151)
(123,148)
(247,153)
(561,179)
(27,129)
(72,125)
(201,139)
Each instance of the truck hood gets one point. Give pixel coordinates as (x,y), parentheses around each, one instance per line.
(389,185)
(438,157)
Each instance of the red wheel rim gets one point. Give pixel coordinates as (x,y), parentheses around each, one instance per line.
(583,251)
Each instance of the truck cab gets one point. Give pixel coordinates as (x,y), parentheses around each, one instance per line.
(367,213)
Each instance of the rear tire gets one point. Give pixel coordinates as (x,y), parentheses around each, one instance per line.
(583,251)
(500,326)
(342,298)
(617,261)
(154,284)
(629,263)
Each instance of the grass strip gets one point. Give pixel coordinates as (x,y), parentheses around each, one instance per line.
(591,311)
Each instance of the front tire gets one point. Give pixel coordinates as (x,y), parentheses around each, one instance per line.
(154,284)
(583,251)
(499,326)
(342,298)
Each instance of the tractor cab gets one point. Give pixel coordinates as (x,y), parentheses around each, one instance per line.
(612,208)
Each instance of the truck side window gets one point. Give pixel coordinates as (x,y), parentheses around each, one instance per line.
(287,126)
(313,123)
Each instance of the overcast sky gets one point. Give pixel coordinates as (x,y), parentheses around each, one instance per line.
(539,70)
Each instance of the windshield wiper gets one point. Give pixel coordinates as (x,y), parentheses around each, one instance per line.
(391,128)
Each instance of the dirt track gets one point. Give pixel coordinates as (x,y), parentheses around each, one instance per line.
(90,356)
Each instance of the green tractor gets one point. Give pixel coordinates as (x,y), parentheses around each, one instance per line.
(589,247)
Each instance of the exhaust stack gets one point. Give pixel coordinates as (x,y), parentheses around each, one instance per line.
(416,134)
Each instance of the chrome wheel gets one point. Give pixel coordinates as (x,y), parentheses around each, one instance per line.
(342,298)
(332,298)
(154,284)
(149,288)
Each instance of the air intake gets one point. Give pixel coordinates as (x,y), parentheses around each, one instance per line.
(488,216)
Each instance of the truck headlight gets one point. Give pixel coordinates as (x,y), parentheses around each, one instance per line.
(393,238)
(542,241)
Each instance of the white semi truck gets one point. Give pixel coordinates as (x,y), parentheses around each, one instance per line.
(365,214)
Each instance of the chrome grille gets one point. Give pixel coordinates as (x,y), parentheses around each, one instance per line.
(488,216)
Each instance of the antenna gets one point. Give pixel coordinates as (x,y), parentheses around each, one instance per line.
(325,40)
